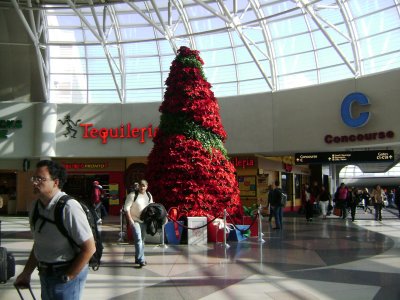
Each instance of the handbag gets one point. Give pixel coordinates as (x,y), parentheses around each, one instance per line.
(337,211)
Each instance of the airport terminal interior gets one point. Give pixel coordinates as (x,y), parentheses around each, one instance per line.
(324,259)
(282,70)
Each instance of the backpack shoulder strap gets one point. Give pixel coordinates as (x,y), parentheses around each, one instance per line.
(58,217)
(35,214)
(148,195)
(137,194)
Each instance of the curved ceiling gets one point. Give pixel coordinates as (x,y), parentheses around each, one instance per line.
(120,51)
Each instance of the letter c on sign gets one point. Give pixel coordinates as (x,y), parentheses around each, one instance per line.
(345,111)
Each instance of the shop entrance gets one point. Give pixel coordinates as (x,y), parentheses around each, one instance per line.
(8,192)
(80,186)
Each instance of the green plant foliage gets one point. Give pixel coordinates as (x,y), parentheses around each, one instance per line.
(181,124)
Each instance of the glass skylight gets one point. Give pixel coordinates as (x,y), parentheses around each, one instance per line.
(121,53)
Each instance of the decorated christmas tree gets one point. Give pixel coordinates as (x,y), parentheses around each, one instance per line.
(188,167)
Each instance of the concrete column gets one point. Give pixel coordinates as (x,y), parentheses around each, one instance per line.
(45,130)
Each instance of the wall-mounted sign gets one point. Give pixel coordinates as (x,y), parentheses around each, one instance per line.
(123,131)
(347,111)
(6,125)
(87,166)
(344,157)
(361,137)
(243,163)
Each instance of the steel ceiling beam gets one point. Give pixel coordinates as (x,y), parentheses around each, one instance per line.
(314,17)
(34,35)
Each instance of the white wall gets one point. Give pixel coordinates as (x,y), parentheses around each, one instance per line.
(272,123)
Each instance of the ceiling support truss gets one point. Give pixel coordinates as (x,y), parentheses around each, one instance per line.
(35,30)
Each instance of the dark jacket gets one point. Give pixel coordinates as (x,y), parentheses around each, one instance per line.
(154,216)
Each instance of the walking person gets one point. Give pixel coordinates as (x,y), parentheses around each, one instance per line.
(367,200)
(378,196)
(324,200)
(97,195)
(341,199)
(397,198)
(270,208)
(135,203)
(275,201)
(63,268)
(352,202)
(308,200)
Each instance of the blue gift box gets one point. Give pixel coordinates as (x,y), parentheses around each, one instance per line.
(239,233)
(170,233)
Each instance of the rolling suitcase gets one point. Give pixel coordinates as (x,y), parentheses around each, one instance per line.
(7,263)
(20,293)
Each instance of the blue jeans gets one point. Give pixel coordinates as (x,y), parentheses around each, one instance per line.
(278,213)
(138,232)
(52,288)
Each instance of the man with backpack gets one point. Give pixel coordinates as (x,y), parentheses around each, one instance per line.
(277,204)
(63,266)
(135,203)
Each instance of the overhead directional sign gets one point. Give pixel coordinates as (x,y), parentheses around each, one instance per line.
(344,157)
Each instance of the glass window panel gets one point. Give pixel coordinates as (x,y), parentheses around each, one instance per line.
(253,87)
(225,89)
(140,49)
(288,27)
(58,21)
(166,62)
(248,71)
(68,81)
(242,55)
(164,77)
(67,96)
(214,41)
(95,51)
(236,40)
(220,74)
(103,96)
(296,63)
(68,66)
(137,33)
(217,57)
(380,44)
(166,48)
(254,35)
(127,19)
(320,40)
(196,11)
(376,23)
(335,73)
(145,80)
(147,95)
(297,80)
(361,8)
(89,37)
(382,63)
(65,35)
(98,66)
(261,51)
(271,8)
(142,64)
(328,57)
(104,81)
(89,18)
(292,45)
(67,51)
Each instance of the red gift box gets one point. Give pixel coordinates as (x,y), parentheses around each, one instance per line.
(214,233)
(247,220)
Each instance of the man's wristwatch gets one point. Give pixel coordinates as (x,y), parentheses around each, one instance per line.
(65,278)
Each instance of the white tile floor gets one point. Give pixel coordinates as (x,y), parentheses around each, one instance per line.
(325,259)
